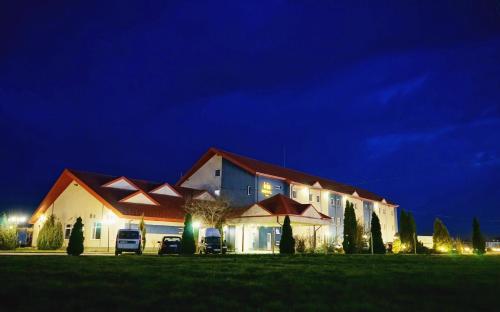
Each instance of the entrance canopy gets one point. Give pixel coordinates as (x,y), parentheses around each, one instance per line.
(273,211)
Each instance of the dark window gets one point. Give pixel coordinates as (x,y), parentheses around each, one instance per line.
(278,187)
(249,190)
(317,199)
(128,234)
(217,172)
(294,194)
(310,197)
(67,232)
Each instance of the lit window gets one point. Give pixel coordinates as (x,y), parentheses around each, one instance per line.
(67,232)
(217,172)
(294,194)
(217,192)
(96,230)
(249,190)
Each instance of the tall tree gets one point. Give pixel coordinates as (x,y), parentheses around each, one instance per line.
(142,228)
(407,231)
(441,237)
(188,246)
(8,234)
(478,242)
(75,245)
(287,242)
(376,235)
(350,227)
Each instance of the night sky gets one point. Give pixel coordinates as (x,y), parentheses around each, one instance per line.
(401,98)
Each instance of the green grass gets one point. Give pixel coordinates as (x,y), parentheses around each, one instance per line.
(250,283)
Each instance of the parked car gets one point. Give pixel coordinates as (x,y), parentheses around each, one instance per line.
(211,242)
(170,245)
(128,240)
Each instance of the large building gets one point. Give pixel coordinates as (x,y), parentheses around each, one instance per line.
(260,194)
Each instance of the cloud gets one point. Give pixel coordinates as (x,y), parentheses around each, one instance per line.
(400,89)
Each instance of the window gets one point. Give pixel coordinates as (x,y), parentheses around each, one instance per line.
(67,232)
(278,187)
(249,190)
(96,230)
(217,172)
(310,197)
(294,194)
(217,192)
(317,199)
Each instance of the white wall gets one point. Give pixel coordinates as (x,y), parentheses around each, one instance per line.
(76,202)
(204,178)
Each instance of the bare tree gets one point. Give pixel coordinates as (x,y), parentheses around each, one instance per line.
(211,213)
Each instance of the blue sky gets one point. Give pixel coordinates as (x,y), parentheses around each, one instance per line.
(401,98)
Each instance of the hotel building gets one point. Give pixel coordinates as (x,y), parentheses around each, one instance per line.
(260,194)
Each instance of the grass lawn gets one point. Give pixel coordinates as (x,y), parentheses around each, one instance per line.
(250,283)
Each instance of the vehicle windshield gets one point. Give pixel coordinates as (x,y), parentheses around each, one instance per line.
(128,234)
(212,240)
(171,239)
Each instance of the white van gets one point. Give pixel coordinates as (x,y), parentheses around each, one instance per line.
(128,240)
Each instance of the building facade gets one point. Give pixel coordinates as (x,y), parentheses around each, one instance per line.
(260,194)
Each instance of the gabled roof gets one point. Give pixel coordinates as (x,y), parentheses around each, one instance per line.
(257,167)
(165,207)
(121,183)
(139,197)
(280,205)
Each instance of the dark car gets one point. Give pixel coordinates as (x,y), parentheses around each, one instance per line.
(212,245)
(170,245)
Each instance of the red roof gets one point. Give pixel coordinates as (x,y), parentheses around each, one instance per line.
(279,205)
(169,208)
(283,205)
(255,167)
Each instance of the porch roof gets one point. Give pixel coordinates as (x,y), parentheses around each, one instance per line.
(275,209)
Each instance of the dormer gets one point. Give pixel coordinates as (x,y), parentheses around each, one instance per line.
(121,183)
(165,189)
(355,194)
(317,185)
(139,197)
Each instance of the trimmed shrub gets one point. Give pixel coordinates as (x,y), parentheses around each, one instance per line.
(478,242)
(396,246)
(142,228)
(75,245)
(50,236)
(350,229)
(376,233)
(188,247)
(287,242)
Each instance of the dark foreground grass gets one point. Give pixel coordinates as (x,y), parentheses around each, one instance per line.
(250,283)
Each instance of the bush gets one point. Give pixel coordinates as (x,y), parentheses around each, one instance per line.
(441,237)
(396,246)
(50,236)
(8,238)
(300,244)
(75,245)
(287,242)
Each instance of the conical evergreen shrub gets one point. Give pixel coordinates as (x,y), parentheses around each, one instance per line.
(376,233)
(478,242)
(287,242)
(350,229)
(75,245)
(188,246)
